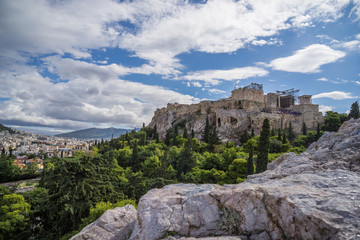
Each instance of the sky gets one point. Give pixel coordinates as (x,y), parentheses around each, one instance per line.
(68,65)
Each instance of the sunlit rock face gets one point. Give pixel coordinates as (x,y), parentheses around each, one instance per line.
(313,195)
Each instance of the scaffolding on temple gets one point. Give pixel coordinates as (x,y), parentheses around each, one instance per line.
(255,86)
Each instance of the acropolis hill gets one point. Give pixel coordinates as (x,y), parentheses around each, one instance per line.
(245,109)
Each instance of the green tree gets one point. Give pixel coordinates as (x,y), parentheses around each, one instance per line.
(354,111)
(331,121)
(250,162)
(192,133)
(244,137)
(77,184)
(8,171)
(213,139)
(185,135)
(206,134)
(252,133)
(291,134)
(14,220)
(303,129)
(279,135)
(318,132)
(186,160)
(264,143)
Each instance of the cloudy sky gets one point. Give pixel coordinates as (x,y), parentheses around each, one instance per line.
(68,65)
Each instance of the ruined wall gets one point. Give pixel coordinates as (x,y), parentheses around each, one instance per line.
(232,116)
(306,108)
(248,94)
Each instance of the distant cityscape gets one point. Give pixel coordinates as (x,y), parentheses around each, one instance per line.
(29,147)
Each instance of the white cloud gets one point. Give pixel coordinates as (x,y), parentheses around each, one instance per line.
(307,60)
(84,99)
(221,26)
(324,108)
(336,95)
(215,76)
(196,84)
(323,79)
(216,91)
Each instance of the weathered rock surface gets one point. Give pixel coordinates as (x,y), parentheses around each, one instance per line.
(313,195)
(113,224)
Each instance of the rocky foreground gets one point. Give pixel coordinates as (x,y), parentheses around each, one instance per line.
(313,195)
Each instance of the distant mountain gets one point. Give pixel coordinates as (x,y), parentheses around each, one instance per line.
(94,133)
(3,128)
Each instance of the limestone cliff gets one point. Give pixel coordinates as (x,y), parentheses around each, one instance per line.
(313,195)
(245,109)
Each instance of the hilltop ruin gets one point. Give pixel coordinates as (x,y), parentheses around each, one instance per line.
(245,109)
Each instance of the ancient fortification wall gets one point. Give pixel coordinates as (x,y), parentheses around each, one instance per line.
(245,109)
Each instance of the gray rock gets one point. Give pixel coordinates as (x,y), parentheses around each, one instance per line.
(113,224)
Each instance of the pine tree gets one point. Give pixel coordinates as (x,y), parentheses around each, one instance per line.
(250,162)
(354,112)
(303,129)
(206,134)
(264,144)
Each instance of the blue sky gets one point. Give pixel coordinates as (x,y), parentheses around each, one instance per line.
(68,65)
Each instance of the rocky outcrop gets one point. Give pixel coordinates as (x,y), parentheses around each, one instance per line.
(313,195)
(117,223)
(229,117)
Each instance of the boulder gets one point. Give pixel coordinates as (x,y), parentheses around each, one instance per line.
(113,224)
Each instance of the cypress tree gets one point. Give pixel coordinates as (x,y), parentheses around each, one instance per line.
(250,162)
(318,133)
(185,135)
(273,132)
(264,144)
(3,151)
(291,135)
(192,133)
(279,135)
(167,137)
(354,112)
(252,133)
(244,137)
(303,129)
(213,139)
(206,133)
(284,139)
(176,130)
(10,152)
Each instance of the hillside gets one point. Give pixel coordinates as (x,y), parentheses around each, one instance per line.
(313,195)
(3,128)
(94,133)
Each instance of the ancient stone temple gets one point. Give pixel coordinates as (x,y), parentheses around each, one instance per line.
(245,109)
